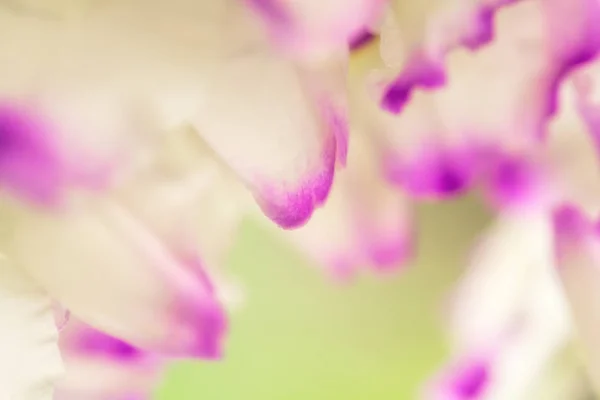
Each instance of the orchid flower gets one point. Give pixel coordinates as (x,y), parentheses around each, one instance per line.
(473,86)
(498,94)
(101,212)
(511,319)
(102,367)
(366,222)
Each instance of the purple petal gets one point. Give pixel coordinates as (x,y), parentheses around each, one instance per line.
(433,172)
(468,380)
(425,67)
(362,39)
(96,343)
(31,164)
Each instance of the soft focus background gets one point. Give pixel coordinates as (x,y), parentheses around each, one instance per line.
(301,335)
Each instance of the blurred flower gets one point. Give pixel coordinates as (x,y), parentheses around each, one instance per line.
(499,95)
(102,367)
(365,223)
(132,129)
(156,108)
(476,84)
(508,320)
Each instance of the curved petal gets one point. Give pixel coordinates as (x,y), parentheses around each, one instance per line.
(365,222)
(275,139)
(206,63)
(508,361)
(577,251)
(101,367)
(30,363)
(187,198)
(502,95)
(110,270)
(311,28)
(512,255)
(568,38)
(31,164)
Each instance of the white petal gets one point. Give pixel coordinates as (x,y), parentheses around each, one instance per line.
(30,363)
(511,362)
(365,222)
(265,123)
(110,270)
(578,257)
(512,255)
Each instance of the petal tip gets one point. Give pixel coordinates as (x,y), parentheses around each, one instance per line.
(419,73)
(466,381)
(432,174)
(293,209)
(389,254)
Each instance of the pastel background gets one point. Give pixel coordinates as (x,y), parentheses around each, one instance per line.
(303,336)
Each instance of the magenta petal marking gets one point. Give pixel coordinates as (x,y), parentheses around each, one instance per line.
(420,72)
(512,182)
(569,220)
(214,326)
(425,68)
(362,39)
(590,112)
(30,162)
(272,10)
(571,229)
(433,173)
(479,29)
(205,315)
(578,46)
(335,116)
(96,343)
(470,383)
(292,210)
(390,253)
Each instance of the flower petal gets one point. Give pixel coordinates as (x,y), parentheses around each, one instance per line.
(512,255)
(507,363)
(365,222)
(111,271)
(30,363)
(577,253)
(275,139)
(313,28)
(102,367)
(31,164)
(569,33)
(517,77)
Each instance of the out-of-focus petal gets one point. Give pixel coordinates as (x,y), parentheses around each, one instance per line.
(516,78)
(587,104)
(432,148)
(310,28)
(577,252)
(278,140)
(109,269)
(102,367)
(425,35)
(564,45)
(205,63)
(31,363)
(512,255)
(507,363)
(365,222)
(467,379)
(31,163)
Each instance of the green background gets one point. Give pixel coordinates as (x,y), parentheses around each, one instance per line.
(301,335)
